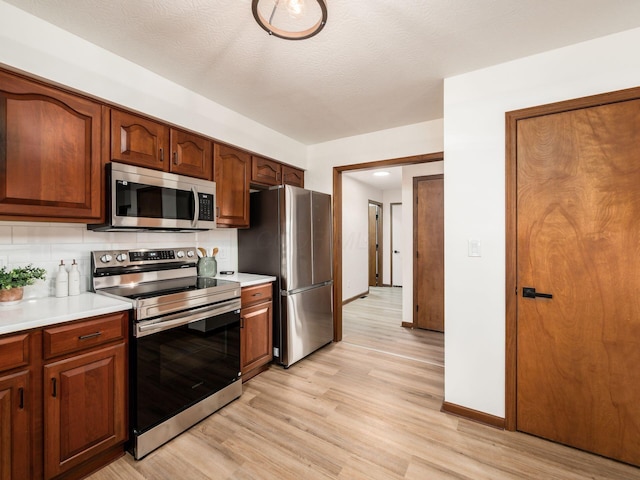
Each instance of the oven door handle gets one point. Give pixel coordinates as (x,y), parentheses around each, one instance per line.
(184,318)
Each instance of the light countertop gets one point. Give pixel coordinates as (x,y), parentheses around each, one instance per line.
(247,279)
(42,312)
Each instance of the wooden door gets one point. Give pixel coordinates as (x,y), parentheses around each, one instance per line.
(15,461)
(84,407)
(232,168)
(375,244)
(139,141)
(578,238)
(428,266)
(50,157)
(191,155)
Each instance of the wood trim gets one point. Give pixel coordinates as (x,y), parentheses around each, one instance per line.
(473,415)
(511,287)
(337,222)
(407,324)
(337,255)
(355,297)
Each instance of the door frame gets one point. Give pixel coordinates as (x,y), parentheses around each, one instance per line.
(337,222)
(379,251)
(511,215)
(391,205)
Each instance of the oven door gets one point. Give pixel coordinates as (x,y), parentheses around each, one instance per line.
(182,359)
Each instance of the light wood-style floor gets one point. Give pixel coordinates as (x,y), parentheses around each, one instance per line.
(365,408)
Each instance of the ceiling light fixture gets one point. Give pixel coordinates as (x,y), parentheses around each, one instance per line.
(290,19)
(380,174)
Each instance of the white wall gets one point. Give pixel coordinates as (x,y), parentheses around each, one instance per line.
(45,244)
(42,49)
(355,235)
(420,138)
(408,173)
(474,142)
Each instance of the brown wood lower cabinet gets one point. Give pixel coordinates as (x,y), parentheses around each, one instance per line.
(84,407)
(63,398)
(15,413)
(256,342)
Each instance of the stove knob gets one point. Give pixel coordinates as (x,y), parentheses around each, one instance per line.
(190,254)
(180,254)
(106,258)
(121,257)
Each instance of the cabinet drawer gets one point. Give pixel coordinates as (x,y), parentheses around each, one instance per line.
(256,294)
(14,351)
(86,334)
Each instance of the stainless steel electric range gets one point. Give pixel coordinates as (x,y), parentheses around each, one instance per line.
(185,339)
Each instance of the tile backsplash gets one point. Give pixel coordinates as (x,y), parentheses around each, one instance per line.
(45,244)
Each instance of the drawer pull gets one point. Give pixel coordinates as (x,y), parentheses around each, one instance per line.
(91,335)
(257,294)
(54,384)
(241,322)
(21,395)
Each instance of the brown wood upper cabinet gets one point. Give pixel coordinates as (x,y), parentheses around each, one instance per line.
(232,168)
(140,141)
(265,172)
(191,155)
(292,176)
(269,172)
(50,156)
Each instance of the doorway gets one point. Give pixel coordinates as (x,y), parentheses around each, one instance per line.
(337,222)
(375,244)
(572,232)
(396,244)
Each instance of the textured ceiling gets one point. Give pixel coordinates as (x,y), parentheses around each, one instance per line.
(377,64)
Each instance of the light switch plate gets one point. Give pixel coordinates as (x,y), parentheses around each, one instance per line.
(475,248)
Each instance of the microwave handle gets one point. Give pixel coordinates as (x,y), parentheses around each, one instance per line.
(196,207)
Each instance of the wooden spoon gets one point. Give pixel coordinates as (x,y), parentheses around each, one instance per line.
(202,251)
(214,252)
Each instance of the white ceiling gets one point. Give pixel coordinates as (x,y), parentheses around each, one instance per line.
(389,182)
(377,64)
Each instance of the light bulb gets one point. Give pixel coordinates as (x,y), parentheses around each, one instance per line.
(295,8)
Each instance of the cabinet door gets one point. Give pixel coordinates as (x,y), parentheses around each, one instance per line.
(50,159)
(14,427)
(292,176)
(265,172)
(232,167)
(139,141)
(191,155)
(84,407)
(256,343)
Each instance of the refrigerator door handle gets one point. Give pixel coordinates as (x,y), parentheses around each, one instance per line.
(286,293)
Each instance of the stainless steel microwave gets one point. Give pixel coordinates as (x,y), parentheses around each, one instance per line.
(141,199)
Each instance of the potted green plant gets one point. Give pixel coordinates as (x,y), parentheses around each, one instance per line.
(12,282)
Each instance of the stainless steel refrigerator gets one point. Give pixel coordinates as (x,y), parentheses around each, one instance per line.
(290,238)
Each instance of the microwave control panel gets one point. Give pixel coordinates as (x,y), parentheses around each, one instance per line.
(207,207)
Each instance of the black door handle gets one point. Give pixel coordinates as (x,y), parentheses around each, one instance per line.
(530,292)
(396,251)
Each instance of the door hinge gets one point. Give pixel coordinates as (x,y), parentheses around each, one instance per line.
(417,307)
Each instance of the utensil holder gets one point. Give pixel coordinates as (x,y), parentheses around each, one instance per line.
(207,267)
